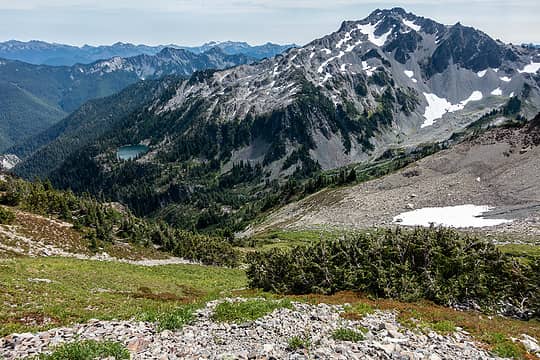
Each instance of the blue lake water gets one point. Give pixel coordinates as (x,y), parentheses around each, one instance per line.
(131,152)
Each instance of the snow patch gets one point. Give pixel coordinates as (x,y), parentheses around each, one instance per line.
(351,47)
(409,73)
(8,161)
(412,25)
(327,77)
(326,51)
(323,65)
(368,69)
(435,109)
(481,73)
(461,216)
(437,106)
(114,64)
(414,80)
(497,92)
(345,40)
(505,78)
(532,68)
(369,30)
(475,96)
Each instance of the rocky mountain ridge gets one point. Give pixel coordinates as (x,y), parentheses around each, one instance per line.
(36,96)
(169,61)
(259,52)
(390,78)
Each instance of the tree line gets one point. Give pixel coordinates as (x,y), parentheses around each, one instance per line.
(99,221)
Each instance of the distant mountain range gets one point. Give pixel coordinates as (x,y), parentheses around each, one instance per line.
(35,97)
(393,80)
(43,53)
(531,46)
(258,52)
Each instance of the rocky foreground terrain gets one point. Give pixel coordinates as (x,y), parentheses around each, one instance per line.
(265,338)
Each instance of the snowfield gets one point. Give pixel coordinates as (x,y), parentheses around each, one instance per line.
(412,25)
(369,30)
(368,69)
(461,216)
(437,106)
(497,92)
(532,68)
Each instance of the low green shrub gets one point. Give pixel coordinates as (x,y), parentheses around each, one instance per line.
(363,309)
(298,342)
(247,310)
(436,264)
(357,311)
(503,347)
(344,334)
(444,326)
(87,350)
(6,216)
(172,319)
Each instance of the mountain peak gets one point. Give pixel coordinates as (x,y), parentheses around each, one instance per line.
(396,12)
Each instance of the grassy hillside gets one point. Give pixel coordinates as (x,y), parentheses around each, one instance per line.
(36,291)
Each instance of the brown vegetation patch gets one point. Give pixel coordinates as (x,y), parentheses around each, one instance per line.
(352,316)
(33,319)
(50,232)
(188,294)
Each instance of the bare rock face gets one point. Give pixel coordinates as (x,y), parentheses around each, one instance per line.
(430,80)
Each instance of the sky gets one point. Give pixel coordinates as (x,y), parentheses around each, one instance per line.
(193,22)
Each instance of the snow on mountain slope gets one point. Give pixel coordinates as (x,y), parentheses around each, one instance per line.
(440,78)
(390,80)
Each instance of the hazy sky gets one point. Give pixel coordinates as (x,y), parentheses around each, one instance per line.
(192,22)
